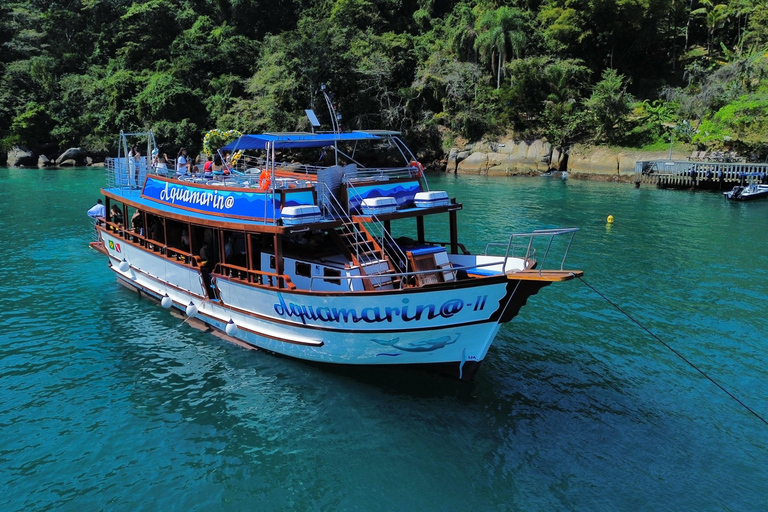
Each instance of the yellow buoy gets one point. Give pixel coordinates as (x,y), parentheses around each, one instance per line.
(610,219)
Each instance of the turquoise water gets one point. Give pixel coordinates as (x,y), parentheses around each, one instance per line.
(111,403)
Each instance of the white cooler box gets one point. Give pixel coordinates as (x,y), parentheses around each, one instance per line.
(379,205)
(302,214)
(431,198)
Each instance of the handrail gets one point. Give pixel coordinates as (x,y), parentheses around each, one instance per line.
(149,243)
(257,277)
(412,273)
(460,245)
(348,224)
(383,233)
(530,250)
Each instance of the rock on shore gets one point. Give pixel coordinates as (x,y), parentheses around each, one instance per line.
(517,157)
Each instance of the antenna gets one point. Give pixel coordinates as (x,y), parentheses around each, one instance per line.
(331,102)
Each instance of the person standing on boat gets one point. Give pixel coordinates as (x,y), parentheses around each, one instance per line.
(181,162)
(160,162)
(134,162)
(97,210)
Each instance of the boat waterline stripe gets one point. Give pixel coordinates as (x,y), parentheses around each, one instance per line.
(180,306)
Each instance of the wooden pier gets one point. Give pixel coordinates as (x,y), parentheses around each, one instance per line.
(705,175)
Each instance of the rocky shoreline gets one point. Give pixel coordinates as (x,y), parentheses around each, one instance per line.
(21,156)
(506,157)
(510,157)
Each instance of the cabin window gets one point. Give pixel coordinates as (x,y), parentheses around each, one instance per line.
(271,262)
(329,274)
(303,269)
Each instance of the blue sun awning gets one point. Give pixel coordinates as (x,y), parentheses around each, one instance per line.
(295,140)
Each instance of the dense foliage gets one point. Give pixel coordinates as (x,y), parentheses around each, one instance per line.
(631,72)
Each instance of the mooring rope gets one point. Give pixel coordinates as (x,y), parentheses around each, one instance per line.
(678,354)
(186,318)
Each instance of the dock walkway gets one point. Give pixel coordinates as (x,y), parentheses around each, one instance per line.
(705,175)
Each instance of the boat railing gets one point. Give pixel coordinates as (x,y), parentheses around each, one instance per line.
(385,239)
(408,277)
(461,246)
(149,244)
(519,242)
(358,242)
(253,276)
(385,173)
(126,173)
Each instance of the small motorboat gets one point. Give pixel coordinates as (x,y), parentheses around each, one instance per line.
(747,193)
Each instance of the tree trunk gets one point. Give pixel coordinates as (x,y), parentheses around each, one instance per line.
(498,74)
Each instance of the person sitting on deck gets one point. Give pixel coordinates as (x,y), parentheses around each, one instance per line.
(208,168)
(117,216)
(217,168)
(137,223)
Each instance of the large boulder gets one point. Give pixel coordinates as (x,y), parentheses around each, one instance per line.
(72,156)
(504,158)
(20,156)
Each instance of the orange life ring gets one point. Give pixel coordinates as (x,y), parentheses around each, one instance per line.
(419,168)
(265,180)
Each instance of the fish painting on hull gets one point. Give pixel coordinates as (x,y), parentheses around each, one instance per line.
(417,346)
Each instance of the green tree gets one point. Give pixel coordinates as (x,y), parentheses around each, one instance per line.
(715,16)
(497,31)
(608,107)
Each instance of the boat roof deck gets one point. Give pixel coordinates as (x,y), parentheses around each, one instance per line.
(134,197)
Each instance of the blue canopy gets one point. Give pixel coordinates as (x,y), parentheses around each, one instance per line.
(295,140)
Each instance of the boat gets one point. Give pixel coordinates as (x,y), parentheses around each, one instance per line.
(329,261)
(747,192)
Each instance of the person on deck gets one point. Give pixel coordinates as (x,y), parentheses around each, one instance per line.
(97,210)
(137,223)
(208,168)
(134,162)
(117,216)
(181,162)
(217,167)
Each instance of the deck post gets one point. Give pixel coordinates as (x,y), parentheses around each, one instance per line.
(420,229)
(278,258)
(454,232)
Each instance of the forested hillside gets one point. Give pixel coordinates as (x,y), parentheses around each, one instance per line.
(629,72)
